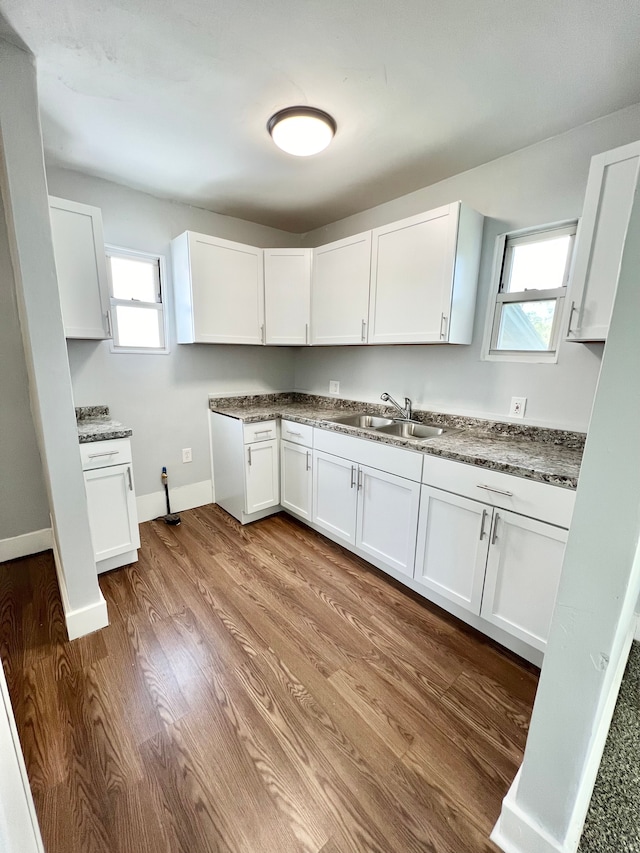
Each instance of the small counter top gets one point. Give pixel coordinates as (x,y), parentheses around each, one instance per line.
(546,455)
(95,424)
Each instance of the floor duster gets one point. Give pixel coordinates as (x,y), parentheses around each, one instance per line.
(170,517)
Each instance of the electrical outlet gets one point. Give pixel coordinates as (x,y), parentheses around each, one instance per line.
(334,386)
(518,405)
(186,454)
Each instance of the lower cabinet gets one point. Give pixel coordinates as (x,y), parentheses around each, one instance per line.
(387,518)
(523,573)
(373,510)
(335,495)
(452,546)
(111,501)
(261,476)
(497,564)
(296,478)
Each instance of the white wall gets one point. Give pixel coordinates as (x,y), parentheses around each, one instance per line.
(540,184)
(23,498)
(163,398)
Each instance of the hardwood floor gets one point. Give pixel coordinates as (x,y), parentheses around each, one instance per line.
(258,689)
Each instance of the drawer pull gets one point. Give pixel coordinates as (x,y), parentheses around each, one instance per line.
(497,491)
(262,431)
(106,453)
(308,460)
(363,331)
(353,476)
(359,478)
(495,529)
(130,480)
(443,326)
(484,518)
(249,458)
(291,432)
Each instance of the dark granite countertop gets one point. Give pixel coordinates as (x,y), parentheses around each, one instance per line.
(96,424)
(546,455)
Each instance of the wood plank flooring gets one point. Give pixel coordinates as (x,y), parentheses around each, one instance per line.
(258,689)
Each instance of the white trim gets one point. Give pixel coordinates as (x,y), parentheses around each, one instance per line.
(84,620)
(516,831)
(183,497)
(27,543)
(19,830)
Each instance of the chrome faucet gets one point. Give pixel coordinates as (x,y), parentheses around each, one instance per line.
(406,413)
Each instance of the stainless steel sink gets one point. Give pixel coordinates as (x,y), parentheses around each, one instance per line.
(370,421)
(411,430)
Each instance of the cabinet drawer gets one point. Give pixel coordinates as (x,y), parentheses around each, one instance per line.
(100,454)
(384,457)
(264,431)
(527,497)
(297,433)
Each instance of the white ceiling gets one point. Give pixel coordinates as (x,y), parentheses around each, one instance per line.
(172,96)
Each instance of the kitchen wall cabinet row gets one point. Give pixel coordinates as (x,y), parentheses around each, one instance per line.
(485,545)
(413,281)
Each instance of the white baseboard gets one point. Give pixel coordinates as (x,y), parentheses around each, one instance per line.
(517,832)
(26,544)
(83,620)
(182,498)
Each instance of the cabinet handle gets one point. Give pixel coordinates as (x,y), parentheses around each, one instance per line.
(484,518)
(262,431)
(353,476)
(497,491)
(130,480)
(107,453)
(306,333)
(262,333)
(359,478)
(308,460)
(109,329)
(495,529)
(443,326)
(571,310)
(363,333)
(249,459)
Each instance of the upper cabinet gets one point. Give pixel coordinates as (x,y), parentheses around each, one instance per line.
(81,266)
(424,274)
(340,291)
(287,295)
(613,177)
(218,288)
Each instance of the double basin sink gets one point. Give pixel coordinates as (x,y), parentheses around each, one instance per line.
(387,426)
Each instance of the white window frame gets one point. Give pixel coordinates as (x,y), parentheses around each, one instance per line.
(501,270)
(160,306)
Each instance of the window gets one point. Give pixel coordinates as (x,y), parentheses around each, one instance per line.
(137,308)
(533,271)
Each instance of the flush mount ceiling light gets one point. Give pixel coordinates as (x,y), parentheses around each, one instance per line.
(301,131)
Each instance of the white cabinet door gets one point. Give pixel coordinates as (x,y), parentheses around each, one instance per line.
(112,511)
(287,294)
(387,518)
(81,266)
(523,572)
(219,290)
(261,475)
(411,278)
(335,495)
(613,177)
(453,540)
(340,291)
(296,470)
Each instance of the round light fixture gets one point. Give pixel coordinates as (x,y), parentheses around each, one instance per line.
(301,131)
